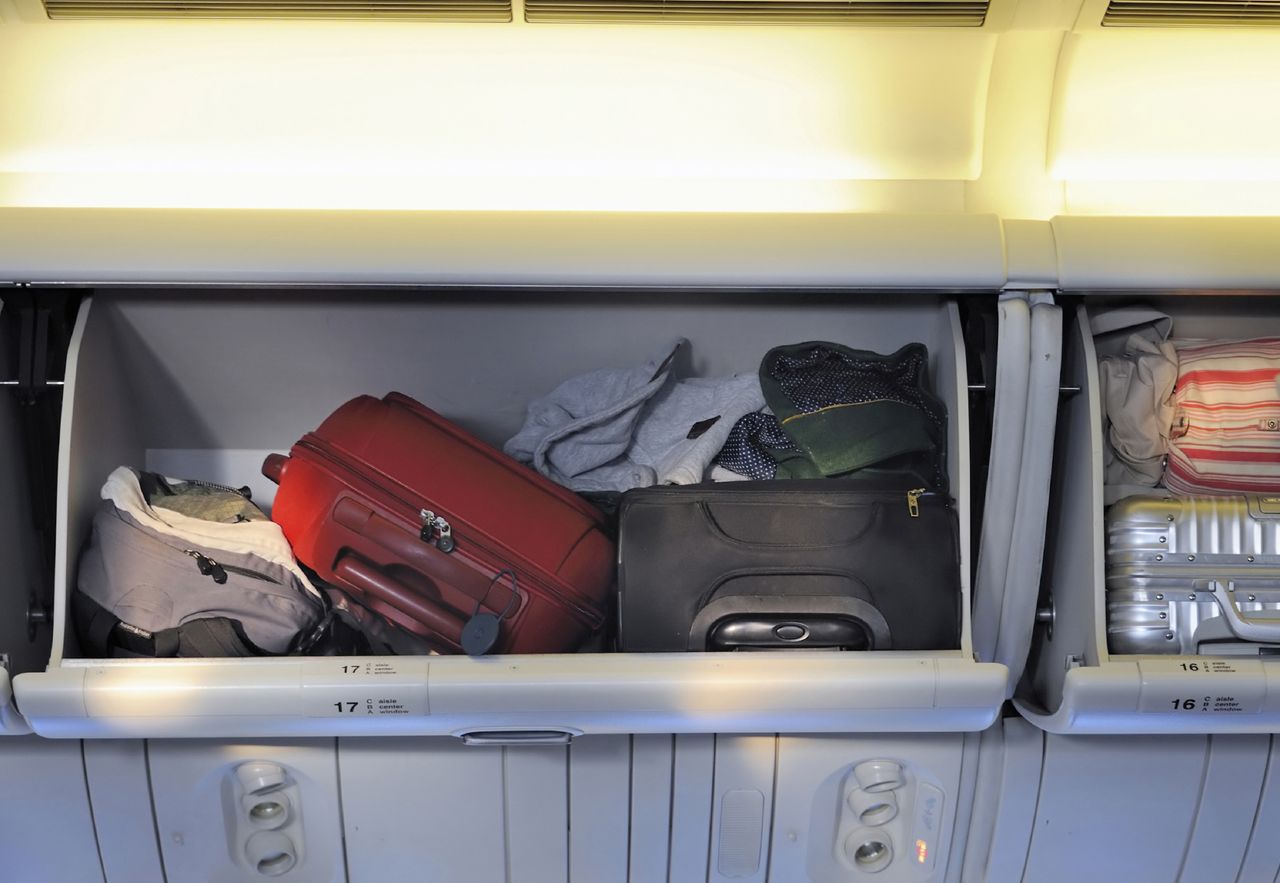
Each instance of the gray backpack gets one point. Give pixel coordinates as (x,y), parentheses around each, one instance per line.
(188,568)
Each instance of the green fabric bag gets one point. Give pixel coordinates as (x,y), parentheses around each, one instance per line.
(854,410)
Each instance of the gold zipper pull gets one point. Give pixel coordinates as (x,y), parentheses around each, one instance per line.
(913,501)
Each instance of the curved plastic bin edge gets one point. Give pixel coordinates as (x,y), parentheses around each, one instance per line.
(319,247)
(1104,701)
(12,723)
(1112,253)
(943,695)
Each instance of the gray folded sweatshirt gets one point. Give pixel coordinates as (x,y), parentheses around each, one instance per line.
(620,428)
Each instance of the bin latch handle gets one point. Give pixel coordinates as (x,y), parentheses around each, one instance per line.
(517,737)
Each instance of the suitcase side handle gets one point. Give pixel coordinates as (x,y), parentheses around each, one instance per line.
(816,632)
(371,581)
(1246,628)
(788,610)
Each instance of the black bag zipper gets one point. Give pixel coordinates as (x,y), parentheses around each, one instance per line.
(913,496)
(245,491)
(218,572)
(160,480)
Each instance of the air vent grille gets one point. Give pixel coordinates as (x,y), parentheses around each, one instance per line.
(425,10)
(1192,14)
(881,13)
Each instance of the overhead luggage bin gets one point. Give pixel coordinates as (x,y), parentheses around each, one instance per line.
(1206,671)
(200,382)
(1167,253)
(324,248)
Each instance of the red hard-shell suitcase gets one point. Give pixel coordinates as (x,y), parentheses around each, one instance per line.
(438,532)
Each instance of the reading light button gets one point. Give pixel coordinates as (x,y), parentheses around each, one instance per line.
(928,825)
(790,631)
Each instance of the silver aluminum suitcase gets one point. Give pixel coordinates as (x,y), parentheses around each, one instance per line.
(1194,575)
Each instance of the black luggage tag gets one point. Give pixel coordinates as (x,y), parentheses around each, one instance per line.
(480,634)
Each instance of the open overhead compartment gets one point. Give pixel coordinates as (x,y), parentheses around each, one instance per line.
(206,383)
(187,413)
(1111,654)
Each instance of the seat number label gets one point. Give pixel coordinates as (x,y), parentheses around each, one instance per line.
(349,687)
(1201,685)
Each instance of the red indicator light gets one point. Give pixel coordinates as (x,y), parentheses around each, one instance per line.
(922,851)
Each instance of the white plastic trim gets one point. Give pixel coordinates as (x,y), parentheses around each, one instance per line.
(11,722)
(1026,554)
(1007,449)
(1167,253)
(487,248)
(1105,700)
(616,693)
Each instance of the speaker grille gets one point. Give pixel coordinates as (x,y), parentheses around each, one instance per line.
(883,13)
(1192,14)
(426,10)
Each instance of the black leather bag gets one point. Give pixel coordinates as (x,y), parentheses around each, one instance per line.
(788,564)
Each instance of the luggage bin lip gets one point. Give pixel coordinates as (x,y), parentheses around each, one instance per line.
(517,660)
(337,248)
(1104,700)
(12,723)
(629,693)
(1102,691)
(972,679)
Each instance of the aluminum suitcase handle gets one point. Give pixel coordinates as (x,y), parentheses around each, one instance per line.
(1246,628)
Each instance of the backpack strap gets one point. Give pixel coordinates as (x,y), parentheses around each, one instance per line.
(95,625)
(213,637)
(102,633)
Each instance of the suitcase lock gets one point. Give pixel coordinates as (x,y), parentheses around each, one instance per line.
(433,524)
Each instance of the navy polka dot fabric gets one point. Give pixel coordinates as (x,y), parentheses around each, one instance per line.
(747,449)
(820,377)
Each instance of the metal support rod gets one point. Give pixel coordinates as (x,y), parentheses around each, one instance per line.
(1062,390)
